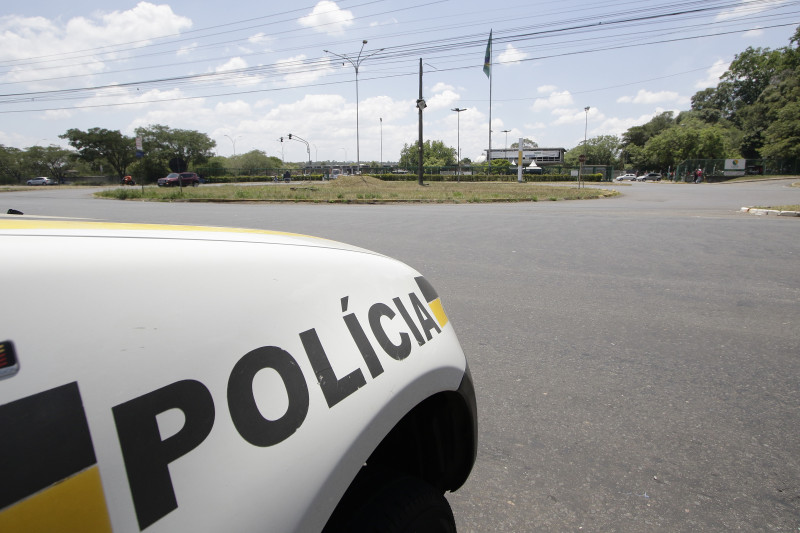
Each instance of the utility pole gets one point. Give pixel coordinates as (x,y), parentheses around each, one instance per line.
(420,105)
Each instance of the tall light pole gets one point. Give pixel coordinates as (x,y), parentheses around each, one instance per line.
(381,119)
(233,141)
(356,62)
(586,129)
(458,134)
(585,139)
(505,150)
(281,141)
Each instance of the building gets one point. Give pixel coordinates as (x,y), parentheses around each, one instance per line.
(542,156)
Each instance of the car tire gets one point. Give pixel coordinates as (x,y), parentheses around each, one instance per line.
(403,503)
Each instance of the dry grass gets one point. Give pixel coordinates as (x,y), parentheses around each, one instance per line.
(365,189)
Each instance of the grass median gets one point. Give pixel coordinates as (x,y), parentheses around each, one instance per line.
(363,189)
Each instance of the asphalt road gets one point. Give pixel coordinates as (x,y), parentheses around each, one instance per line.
(636,359)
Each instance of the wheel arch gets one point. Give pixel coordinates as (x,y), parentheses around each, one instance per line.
(436,442)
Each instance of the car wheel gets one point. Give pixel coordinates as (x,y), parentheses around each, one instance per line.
(403,503)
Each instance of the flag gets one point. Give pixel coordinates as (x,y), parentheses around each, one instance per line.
(487,60)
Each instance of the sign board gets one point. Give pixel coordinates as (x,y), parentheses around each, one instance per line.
(735,167)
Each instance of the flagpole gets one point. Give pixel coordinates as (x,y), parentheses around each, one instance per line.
(487,69)
(489,171)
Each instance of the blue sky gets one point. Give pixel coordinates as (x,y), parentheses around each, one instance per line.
(247,73)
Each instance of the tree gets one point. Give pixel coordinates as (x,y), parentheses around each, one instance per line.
(255,161)
(51,161)
(173,149)
(434,154)
(600,150)
(98,145)
(639,135)
(747,76)
(781,136)
(12,165)
(527,144)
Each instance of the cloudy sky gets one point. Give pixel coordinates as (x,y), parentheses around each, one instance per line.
(247,73)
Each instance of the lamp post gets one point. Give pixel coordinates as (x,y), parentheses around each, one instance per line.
(281,141)
(505,150)
(458,136)
(381,119)
(356,62)
(585,138)
(233,141)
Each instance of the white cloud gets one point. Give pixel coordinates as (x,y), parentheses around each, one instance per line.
(648,97)
(441,86)
(747,8)
(554,100)
(546,89)
(511,55)
(237,108)
(260,38)
(186,50)
(444,99)
(234,63)
(33,37)
(752,34)
(295,72)
(713,74)
(327,17)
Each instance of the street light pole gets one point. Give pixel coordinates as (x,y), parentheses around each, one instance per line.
(381,119)
(233,141)
(585,138)
(505,150)
(458,134)
(356,63)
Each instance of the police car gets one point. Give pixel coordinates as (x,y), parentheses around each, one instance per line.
(210,379)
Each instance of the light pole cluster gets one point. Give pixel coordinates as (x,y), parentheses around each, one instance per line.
(356,62)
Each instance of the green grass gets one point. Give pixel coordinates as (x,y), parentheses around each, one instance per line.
(362,189)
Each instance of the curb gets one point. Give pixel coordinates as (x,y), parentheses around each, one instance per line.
(757,211)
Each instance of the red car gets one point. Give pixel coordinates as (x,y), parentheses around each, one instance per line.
(184,179)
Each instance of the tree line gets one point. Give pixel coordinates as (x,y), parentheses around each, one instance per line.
(752,113)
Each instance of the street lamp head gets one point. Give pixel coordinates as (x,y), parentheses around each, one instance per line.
(586,108)
(364,41)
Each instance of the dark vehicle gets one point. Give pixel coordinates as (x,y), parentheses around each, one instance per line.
(184,179)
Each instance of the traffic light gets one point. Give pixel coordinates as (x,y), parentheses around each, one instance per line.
(281,139)
(290,136)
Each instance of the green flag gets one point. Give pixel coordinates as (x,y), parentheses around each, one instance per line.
(487,60)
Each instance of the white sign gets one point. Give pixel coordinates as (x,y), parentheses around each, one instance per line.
(735,164)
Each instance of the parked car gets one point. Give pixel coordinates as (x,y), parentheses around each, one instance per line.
(40,181)
(626,177)
(293,399)
(650,176)
(183,179)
